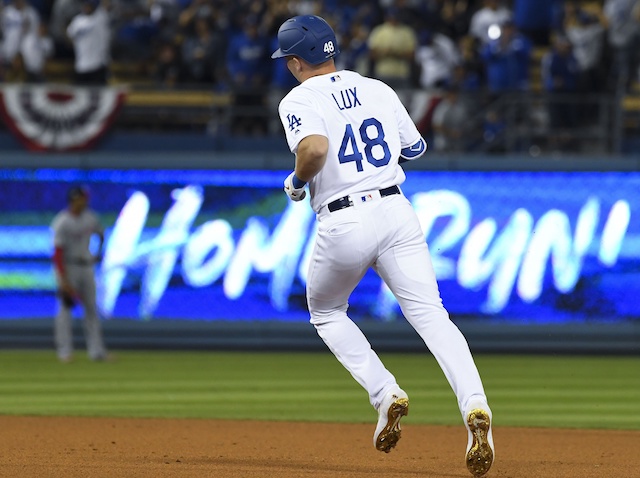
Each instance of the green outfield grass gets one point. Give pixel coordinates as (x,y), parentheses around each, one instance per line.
(544,391)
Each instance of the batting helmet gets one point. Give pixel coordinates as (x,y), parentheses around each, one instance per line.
(309,37)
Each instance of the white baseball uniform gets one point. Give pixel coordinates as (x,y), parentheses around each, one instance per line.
(73,234)
(365,221)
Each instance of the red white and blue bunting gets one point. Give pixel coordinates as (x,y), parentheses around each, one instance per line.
(59,117)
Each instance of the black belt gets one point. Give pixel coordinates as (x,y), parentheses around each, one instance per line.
(345,201)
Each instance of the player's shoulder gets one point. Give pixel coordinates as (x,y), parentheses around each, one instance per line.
(60,219)
(295,94)
(301,95)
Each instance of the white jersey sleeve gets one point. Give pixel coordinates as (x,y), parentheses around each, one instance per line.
(300,118)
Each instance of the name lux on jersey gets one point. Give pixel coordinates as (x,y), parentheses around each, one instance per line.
(348,99)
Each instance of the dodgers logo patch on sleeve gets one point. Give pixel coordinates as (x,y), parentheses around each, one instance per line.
(294,121)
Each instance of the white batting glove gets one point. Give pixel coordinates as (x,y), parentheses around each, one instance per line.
(296,194)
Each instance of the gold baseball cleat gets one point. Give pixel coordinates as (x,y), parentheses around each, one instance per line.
(388,429)
(479,456)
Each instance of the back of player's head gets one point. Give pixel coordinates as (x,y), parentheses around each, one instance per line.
(309,37)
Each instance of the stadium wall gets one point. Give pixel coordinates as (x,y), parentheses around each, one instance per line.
(597,329)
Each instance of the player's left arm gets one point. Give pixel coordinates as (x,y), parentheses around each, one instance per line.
(411,141)
(414,151)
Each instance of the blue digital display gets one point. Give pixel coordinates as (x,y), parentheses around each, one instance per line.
(229,245)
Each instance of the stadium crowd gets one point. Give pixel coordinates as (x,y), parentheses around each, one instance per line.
(453,46)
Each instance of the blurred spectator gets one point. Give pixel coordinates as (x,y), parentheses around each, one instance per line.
(537,18)
(248,56)
(248,66)
(36,48)
(408,12)
(469,75)
(91,37)
(281,77)
(493,129)
(450,117)
(432,17)
(195,9)
(506,60)
(392,48)
(354,50)
(560,67)
(310,7)
(133,30)
(202,53)
(62,12)
(485,22)
(586,33)
(560,75)
(436,55)
(623,17)
(454,17)
(19,19)
(464,79)
(239,10)
(164,13)
(167,66)
(365,14)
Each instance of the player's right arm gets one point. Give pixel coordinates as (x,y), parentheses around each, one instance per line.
(64,286)
(306,135)
(311,156)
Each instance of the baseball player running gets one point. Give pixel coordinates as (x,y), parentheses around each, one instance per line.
(74,267)
(348,134)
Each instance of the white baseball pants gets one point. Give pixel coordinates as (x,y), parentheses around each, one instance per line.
(82,279)
(383,233)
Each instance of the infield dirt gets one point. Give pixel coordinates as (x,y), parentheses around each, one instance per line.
(46,447)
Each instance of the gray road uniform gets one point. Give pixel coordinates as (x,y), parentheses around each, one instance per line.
(72,233)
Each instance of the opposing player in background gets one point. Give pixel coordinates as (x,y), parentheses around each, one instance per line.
(348,133)
(74,265)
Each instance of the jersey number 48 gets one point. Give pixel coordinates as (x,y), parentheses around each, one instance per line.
(349,143)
